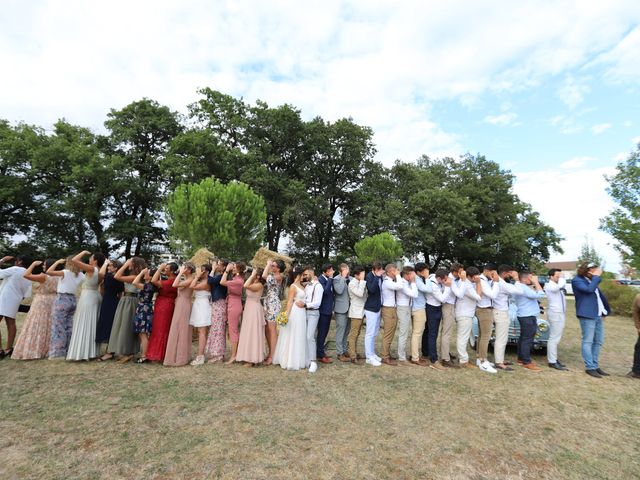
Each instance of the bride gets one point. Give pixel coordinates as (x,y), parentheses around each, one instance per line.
(291,349)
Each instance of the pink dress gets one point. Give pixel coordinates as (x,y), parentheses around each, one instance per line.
(252,337)
(33,341)
(234,306)
(179,342)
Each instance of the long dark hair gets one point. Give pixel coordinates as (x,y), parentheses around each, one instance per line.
(295,273)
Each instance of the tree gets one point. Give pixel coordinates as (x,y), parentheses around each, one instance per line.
(337,155)
(623,223)
(382,247)
(588,253)
(139,137)
(227,219)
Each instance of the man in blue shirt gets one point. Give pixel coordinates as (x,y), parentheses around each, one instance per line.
(528,310)
(591,306)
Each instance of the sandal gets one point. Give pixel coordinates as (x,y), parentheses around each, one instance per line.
(106,357)
(8,352)
(142,360)
(267,362)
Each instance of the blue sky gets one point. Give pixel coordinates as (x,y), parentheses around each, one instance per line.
(549,89)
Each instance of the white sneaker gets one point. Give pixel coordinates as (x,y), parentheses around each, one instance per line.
(478,362)
(198,361)
(379,359)
(486,367)
(313,367)
(374,362)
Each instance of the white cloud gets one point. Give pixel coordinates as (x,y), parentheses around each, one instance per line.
(623,60)
(382,63)
(627,123)
(600,128)
(572,201)
(566,124)
(577,162)
(501,119)
(635,140)
(572,92)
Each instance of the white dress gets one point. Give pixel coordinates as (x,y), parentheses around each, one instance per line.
(83,344)
(14,288)
(291,349)
(201,309)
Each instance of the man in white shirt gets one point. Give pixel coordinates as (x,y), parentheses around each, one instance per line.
(556,311)
(448,320)
(505,275)
(404,300)
(468,291)
(484,314)
(391,283)
(437,289)
(312,298)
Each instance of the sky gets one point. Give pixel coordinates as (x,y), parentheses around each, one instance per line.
(548,89)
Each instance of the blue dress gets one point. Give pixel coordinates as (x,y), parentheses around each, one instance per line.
(110,298)
(144,311)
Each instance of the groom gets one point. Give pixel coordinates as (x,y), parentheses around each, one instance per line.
(326,311)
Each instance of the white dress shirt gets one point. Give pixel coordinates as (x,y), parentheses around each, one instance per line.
(389,289)
(489,292)
(466,297)
(436,293)
(556,296)
(405,296)
(451,298)
(501,302)
(313,295)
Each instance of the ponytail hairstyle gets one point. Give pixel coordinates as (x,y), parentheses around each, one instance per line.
(99,258)
(71,266)
(173,267)
(137,265)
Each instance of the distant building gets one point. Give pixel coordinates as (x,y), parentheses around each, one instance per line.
(567,268)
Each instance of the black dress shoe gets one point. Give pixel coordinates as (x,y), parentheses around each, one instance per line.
(633,374)
(560,363)
(593,373)
(602,372)
(557,366)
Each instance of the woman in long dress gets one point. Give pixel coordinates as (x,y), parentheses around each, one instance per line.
(33,341)
(252,336)
(122,341)
(200,317)
(162,310)
(143,318)
(111,292)
(179,342)
(273,276)
(216,341)
(83,344)
(14,288)
(64,306)
(291,350)
(233,280)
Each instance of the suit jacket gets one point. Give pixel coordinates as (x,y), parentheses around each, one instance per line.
(374,286)
(326,306)
(358,295)
(586,298)
(341,294)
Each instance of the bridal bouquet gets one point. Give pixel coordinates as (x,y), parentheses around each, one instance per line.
(282,318)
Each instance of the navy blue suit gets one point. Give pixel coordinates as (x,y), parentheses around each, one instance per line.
(586,299)
(326,311)
(374,293)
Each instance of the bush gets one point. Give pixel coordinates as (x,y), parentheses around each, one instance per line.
(620,297)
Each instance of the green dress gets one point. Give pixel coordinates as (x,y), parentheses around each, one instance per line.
(123,340)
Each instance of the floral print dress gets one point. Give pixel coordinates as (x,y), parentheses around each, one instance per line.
(144,311)
(272,304)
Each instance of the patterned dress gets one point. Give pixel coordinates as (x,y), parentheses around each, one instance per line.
(33,342)
(272,304)
(144,310)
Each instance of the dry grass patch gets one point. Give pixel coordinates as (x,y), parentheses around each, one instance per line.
(103,420)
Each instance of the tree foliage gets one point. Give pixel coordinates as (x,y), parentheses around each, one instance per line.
(226,219)
(588,253)
(382,247)
(623,223)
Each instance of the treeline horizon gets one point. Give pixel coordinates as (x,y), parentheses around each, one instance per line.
(65,190)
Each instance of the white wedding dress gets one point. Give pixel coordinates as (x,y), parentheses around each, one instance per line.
(291,349)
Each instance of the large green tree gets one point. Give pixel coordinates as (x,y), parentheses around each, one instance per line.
(623,222)
(138,141)
(228,219)
(382,247)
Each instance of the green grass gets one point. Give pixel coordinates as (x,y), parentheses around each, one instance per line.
(104,420)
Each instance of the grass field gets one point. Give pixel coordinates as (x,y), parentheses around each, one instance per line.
(104,420)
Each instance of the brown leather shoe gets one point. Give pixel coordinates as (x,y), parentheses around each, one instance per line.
(325,360)
(344,358)
(360,357)
(437,366)
(447,363)
(532,367)
(420,363)
(356,361)
(389,361)
(467,365)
